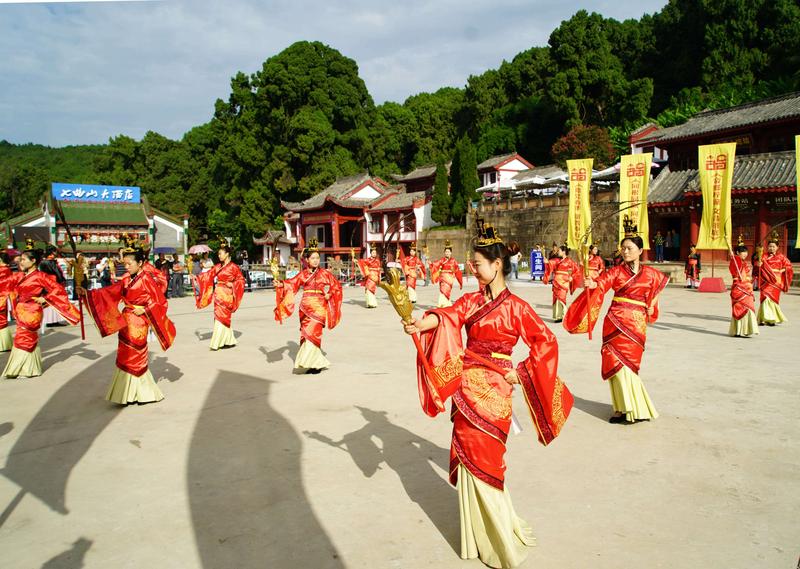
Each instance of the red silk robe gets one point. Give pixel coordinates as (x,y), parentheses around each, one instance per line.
(445,271)
(596,266)
(776,275)
(141,290)
(23,288)
(481,411)
(371,271)
(742,296)
(549,269)
(315,311)
(413,268)
(223,283)
(6,284)
(625,324)
(566,276)
(159,276)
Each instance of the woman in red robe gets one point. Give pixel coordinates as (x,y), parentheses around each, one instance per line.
(225,284)
(636,288)
(743,301)
(775,274)
(371,271)
(481,380)
(6,282)
(413,268)
(565,277)
(145,308)
(321,303)
(446,271)
(596,263)
(30,290)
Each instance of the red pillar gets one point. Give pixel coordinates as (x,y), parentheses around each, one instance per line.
(694,229)
(762,225)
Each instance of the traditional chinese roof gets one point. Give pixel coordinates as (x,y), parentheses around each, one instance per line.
(755,172)
(495,162)
(426,171)
(339,193)
(545,172)
(95,213)
(400,201)
(711,122)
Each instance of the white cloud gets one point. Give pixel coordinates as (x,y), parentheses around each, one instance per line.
(77,74)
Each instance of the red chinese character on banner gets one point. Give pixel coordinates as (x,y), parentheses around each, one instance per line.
(577,175)
(718,163)
(636,171)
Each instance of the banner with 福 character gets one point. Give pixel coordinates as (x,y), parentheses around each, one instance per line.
(634,181)
(715,169)
(797,184)
(580,214)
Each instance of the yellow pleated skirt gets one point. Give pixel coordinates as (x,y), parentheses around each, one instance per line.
(559,309)
(24,364)
(222,336)
(629,396)
(747,325)
(6,339)
(309,356)
(769,312)
(490,528)
(444,302)
(126,388)
(372,301)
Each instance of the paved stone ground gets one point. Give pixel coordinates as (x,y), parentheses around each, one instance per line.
(245,465)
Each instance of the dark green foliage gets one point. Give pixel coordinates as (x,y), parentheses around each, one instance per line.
(463,179)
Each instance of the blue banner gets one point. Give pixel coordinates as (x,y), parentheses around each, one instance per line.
(537,264)
(90,193)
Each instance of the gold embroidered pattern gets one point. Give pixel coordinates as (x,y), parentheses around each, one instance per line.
(448,370)
(484,395)
(584,324)
(559,418)
(640,321)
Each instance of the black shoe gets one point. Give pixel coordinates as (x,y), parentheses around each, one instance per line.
(314,371)
(618,419)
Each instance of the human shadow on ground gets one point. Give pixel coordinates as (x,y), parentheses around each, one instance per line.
(412,458)
(596,409)
(161,368)
(701,316)
(81,351)
(291,348)
(59,435)
(72,558)
(686,327)
(6,428)
(248,504)
(204,334)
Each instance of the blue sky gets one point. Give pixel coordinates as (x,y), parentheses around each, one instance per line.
(81,73)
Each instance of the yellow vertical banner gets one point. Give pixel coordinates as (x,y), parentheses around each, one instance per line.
(797,184)
(580,214)
(715,169)
(634,181)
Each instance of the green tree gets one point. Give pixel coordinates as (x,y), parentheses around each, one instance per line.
(440,202)
(464,179)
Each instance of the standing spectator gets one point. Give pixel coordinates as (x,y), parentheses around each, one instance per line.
(245,266)
(197,265)
(658,241)
(668,246)
(104,272)
(165,266)
(515,264)
(119,266)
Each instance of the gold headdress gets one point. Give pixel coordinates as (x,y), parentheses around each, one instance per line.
(630,228)
(447,244)
(313,245)
(774,238)
(413,246)
(132,245)
(373,247)
(486,234)
(30,244)
(740,241)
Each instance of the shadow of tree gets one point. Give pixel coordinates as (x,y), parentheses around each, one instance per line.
(249,507)
(412,458)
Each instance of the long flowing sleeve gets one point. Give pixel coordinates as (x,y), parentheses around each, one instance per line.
(103,305)
(237,285)
(549,401)
(203,288)
(334,300)
(585,309)
(285,292)
(57,297)
(155,310)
